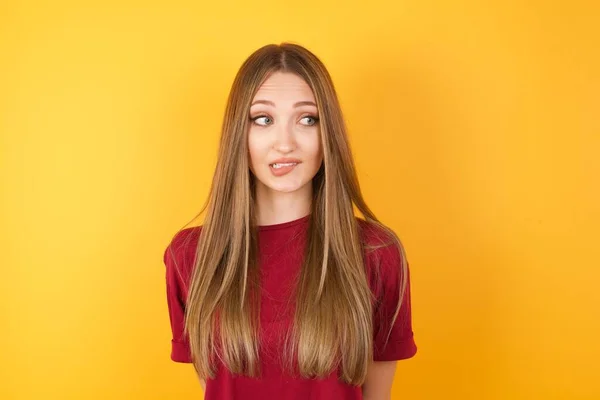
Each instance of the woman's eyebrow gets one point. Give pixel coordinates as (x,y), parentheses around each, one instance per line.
(270,103)
(305,103)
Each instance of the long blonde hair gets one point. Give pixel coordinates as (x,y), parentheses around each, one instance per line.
(333,323)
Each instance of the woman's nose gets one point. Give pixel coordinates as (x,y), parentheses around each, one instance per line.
(284,137)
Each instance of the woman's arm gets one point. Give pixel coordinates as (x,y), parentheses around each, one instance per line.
(380,376)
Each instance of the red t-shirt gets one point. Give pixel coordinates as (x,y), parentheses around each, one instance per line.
(281,251)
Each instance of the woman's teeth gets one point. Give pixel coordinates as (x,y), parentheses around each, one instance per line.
(283,165)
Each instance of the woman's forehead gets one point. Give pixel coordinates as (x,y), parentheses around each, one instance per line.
(284,87)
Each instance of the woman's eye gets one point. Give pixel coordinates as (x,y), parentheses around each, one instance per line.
(262,120)
(310,120)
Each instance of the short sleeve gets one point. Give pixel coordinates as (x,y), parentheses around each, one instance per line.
(178,260)
(400,344)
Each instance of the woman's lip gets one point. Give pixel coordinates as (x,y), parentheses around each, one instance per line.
(283,170)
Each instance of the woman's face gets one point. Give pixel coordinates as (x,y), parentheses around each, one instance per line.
(284,130)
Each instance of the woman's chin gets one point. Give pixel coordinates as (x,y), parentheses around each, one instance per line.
(286,188)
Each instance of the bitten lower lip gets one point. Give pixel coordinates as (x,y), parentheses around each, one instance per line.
(283,170)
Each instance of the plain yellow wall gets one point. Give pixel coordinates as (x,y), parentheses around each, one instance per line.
(475,127)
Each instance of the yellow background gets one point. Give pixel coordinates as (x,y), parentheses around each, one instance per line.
(475,127)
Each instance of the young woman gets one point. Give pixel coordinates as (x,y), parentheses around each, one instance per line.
(283,293)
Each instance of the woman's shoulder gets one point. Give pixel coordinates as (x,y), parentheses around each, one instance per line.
(185,236)
(381,246)
(181,250)
(375,234)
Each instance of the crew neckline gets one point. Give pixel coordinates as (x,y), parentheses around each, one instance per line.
(284,225)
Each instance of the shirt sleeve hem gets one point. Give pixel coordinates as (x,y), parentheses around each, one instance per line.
(180,352)
(396,351)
